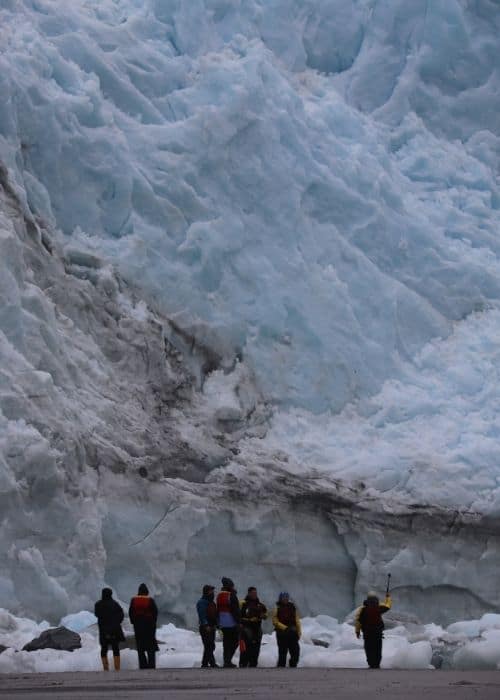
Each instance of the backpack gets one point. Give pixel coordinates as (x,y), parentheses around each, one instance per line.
(287,614)
(371,618)
(224,601)
(211,613)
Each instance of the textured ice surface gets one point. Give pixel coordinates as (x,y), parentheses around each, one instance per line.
(195,144)
(217,211)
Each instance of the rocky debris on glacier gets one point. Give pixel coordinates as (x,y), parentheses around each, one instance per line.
(92,391)
(147,463)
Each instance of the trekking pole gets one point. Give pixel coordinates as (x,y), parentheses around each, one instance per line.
(388,588)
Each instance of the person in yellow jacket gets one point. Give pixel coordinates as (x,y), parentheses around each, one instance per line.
(369,620)
(286,622)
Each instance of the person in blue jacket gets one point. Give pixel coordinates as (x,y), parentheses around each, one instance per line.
(207,619)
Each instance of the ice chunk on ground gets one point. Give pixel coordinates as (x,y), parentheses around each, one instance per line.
(77,622)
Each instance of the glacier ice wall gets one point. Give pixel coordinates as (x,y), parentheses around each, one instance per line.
(217,209)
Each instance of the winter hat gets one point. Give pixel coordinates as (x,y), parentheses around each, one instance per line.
(372,594)
(226,582)
(107,593)
(143,589)
(283,595)
(208,589)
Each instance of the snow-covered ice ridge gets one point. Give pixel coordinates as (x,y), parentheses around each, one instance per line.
(473,644)
(249,321)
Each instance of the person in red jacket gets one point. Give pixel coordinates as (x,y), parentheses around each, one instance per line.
(228,614)
(368,620)
(286,622)
(143,615)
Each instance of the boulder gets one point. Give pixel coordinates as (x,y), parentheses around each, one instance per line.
(320,643)
(2,648)
(128,642)
(59,638)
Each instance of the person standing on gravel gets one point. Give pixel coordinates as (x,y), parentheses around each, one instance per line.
(369,620)
(286,622)
(252,614)
(207,619)
(143,615)
(109,620)
(228,612)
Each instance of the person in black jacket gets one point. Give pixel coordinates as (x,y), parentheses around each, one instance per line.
(252,614)
(143,615)
(109,618)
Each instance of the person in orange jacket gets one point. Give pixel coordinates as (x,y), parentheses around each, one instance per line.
(286,622)
(229,616)
(369,620)
(143,615)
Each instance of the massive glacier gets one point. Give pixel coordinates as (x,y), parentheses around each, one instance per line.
(250,285)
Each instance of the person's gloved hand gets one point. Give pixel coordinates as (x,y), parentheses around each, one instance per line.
(357,635)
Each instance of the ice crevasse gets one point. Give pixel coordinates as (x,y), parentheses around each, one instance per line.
(250,277)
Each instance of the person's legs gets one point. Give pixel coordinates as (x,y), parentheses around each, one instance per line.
(143,662)
(104,656)
(282,641)
(371,643)
(377,651)
(206,650)
(244,659)
(235,640)
(207,635)
(294,649)
(211,647)
(245,655)
(255,649)
(151,658)
(116,655)
(229,644)
(226,645)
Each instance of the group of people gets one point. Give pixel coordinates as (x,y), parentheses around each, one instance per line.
(143,615)
(240,623)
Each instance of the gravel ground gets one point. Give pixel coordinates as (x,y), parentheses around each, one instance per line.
(194,684)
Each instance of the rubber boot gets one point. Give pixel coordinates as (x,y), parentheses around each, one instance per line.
(116,660)
(105,663)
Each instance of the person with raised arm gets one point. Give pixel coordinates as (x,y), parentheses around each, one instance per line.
(368,620)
